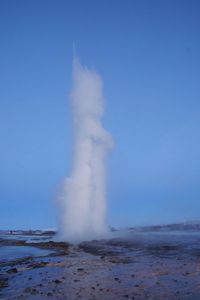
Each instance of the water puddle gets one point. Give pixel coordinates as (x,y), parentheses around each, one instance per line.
(9,253)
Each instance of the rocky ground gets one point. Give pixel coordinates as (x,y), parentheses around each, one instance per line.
(139,266)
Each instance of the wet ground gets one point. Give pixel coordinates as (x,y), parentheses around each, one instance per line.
(132,264)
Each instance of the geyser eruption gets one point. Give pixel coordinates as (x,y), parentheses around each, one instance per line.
(84,196)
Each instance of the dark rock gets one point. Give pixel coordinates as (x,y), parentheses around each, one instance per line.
(57,281)
(13,270)
(119,260)
(30,290)
(37,265)
(116,278)
(186,273)
(3,282)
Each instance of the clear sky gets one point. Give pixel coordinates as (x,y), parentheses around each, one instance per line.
(148,54)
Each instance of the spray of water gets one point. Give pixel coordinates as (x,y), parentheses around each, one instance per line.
(84,195)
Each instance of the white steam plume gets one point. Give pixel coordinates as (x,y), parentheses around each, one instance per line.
(84,196)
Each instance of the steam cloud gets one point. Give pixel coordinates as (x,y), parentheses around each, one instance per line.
(84,196)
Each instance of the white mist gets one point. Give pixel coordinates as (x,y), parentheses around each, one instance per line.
(84,195)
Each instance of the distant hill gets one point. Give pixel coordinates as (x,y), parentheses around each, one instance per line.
(187,226)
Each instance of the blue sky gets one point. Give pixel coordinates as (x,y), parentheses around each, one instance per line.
(148,54)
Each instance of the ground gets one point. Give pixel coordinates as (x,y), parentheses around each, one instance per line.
(131,265)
